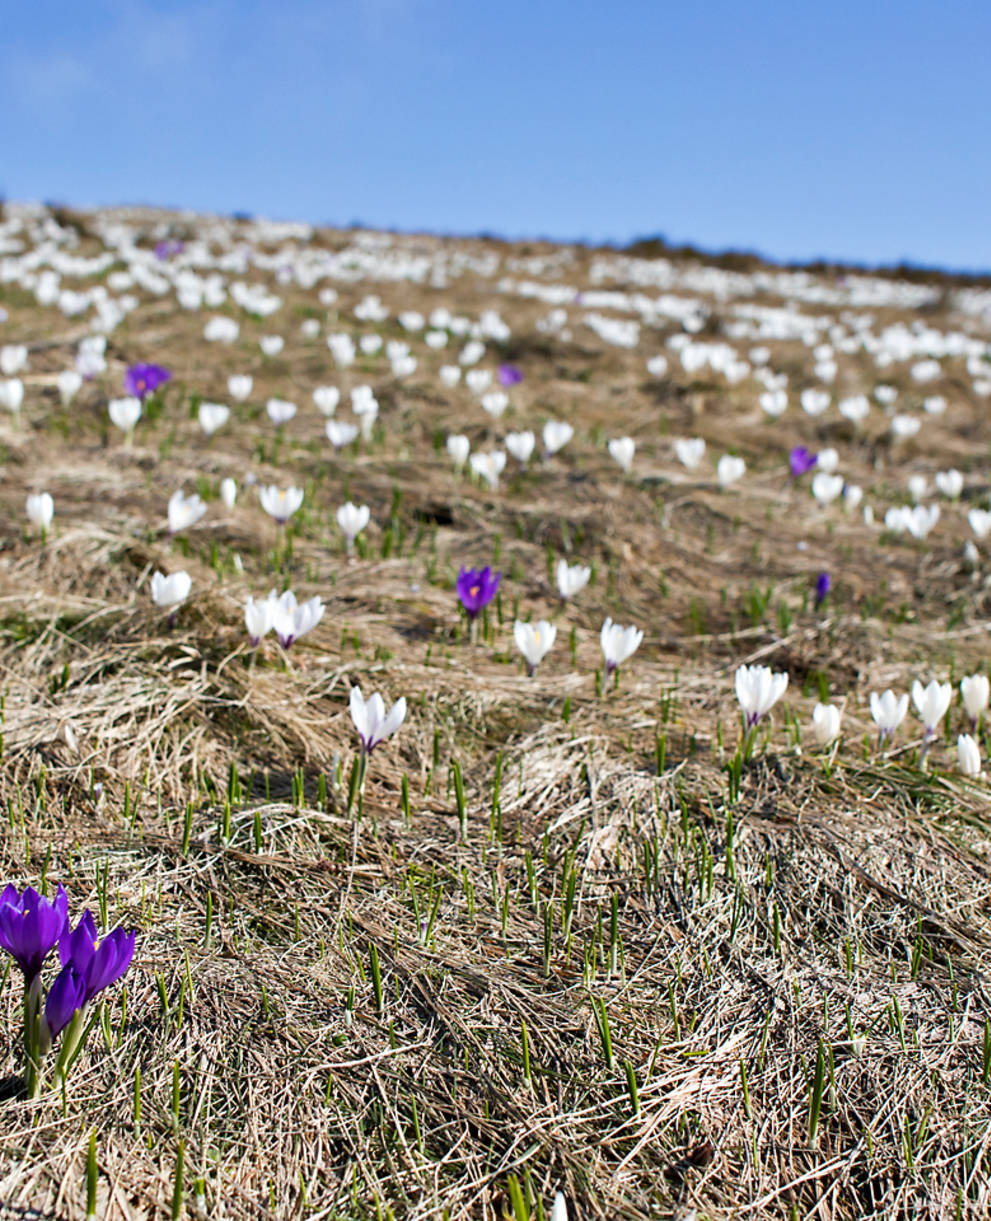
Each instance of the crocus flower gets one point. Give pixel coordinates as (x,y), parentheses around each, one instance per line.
(826,723)
(621,450)
(557,434)
(968,755)
(31,925)
(618,643)
(352,519)
(800,461)
(280,503)
(125,412)
(729,469)
(690,452)
(477,588)
(184,511)
(326,399)
(69,383)
(142,380)
(239,386)
(931,703)
(509,375)
(458,448)
(974,691)
(97,963)
(165,249)
(370,718)
(341,433)
(40,509)
(280,411)
(520,445)
(571,578)
(823,586)
(228,492)
(488,465)
(534,641)
(559,1212)
(169,591)
(291,620)
(66,995)
(758,688)
(888,711)
(258,617)
(213,416)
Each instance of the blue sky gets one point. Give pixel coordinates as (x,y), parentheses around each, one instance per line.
(850,130)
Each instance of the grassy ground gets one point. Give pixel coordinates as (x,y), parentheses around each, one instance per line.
(584,952)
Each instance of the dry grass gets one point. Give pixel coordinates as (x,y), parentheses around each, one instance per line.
(714,937)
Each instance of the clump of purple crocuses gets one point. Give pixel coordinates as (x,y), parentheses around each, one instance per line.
(142,380)
(31,926)
(476,589)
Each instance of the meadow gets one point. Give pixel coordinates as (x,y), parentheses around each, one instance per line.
(569,927)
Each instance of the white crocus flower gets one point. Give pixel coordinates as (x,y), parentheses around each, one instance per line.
(931,703)
(40,509)
(826,723)
(758,688)
(239,386)
(729,469)
(618,643)
(341,433)
(352,519)
(690,452)
(326,399)
(814,402)
(12,395)
(826,487)
(560,1210)
(450,375)
(980,522)
(855,408)
(968,755)
(478,380)
(228,492)
(69,383)
(168,591)
(888,711)
(458,448)
(520,445)
(571,578)
(213,416)
(488,465)
(370,719)
(621,450)
(534,640)
(13,358)
(774,402)
(495,403)
(292,619)
(258,617)
(974,691)
(280,411)
(125,412)
(271,345)
(556,435)
(184,511)
(280,503)
(949,483)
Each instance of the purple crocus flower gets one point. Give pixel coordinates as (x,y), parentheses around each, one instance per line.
(30,925)
(823,586)
(165,250)
(65,996)
(142,380)
(801,460)
(477,588)
(509,375)
(97,963)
